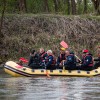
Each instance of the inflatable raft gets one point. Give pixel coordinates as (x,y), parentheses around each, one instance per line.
(16,70)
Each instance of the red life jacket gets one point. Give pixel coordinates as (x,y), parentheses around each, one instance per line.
(92,61)
(42,55)
(54,61)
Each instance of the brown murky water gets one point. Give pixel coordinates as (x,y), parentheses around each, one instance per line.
(54,88)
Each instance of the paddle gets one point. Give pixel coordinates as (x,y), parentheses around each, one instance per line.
(46,70)
(63,65)
(47,74)
(78,58)
(64,44)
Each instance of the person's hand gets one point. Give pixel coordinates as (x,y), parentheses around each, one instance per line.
(61,65)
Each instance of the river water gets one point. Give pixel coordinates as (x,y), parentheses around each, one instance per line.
(54,88)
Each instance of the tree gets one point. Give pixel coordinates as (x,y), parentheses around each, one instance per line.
(68,4)
(85,6)
(56,5)
(22,6)
(46,6)
(73,7)
(97,6)
(2,17)
(79,6)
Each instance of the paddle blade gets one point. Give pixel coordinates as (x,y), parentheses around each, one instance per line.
(64,44)
(47,74)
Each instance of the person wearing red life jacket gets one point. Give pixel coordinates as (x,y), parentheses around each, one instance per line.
(51,61)
(61,57)
(97,64)
(42,56)
(87,61)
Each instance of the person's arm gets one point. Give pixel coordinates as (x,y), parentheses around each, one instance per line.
(49,61)
(45,55)
(65,62)
(30,60)
(97,59)
(58,60)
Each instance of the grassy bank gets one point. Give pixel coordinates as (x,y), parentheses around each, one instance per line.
(25,32)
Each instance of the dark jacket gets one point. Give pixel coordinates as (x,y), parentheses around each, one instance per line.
(50,62)
(97,64)
(61,57)
(70,61)
(33,60)
(87,60)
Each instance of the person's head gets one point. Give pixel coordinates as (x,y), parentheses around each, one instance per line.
(62,50)
(32,53)
(67,52)
(72,52)
(41,50)
(99,55)
(84,52)
(49,52)
(99,47)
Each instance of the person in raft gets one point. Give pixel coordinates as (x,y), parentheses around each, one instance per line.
(70,62)
(61,58)
(42,56)
(97,64)
(50,61)
(87,61)
(33,60)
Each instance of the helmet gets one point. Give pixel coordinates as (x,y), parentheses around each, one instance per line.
(63,49)
(85,51)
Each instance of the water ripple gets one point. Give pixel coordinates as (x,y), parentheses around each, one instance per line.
(54,88)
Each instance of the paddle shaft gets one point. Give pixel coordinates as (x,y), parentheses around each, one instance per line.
(46,70)
(78,58)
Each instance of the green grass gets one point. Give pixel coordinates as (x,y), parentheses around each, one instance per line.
(88,16)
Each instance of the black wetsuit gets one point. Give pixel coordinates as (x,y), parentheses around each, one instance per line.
(70,63)
(34,62)
(97,64)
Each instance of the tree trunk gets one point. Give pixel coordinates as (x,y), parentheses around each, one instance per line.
(97,6)
(79,6)
(25,5)
(73,6)
(46,6)
(22,6)
(68,4)
(56,5)
(2,17)
(85,6)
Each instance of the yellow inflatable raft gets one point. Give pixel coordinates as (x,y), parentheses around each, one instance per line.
(16,70)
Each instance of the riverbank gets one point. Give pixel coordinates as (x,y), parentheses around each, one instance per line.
(22,33)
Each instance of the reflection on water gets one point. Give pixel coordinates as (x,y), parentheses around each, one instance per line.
(54,88)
